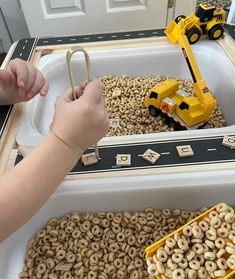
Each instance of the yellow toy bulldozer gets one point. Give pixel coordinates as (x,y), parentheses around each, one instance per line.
(207,19)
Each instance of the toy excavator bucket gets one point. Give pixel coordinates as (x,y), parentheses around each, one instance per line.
(172,31)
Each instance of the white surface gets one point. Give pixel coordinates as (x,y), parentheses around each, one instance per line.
(166,60)
(184,191)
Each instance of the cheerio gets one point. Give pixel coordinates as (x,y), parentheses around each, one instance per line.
(202,248)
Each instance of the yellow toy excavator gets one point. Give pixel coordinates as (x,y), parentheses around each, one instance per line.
(181,108)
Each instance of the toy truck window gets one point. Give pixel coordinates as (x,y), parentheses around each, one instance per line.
(205,15)
(183,106)
(153,95)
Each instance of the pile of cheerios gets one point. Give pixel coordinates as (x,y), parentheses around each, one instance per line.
(125,101)
(204,249)
(102,245)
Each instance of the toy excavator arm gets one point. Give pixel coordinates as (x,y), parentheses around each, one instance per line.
(176,34)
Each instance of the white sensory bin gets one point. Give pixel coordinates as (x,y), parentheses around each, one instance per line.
(163,59)
(183,190)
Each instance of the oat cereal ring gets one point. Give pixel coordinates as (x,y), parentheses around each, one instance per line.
(166,212)
(171,265)
(219,243)
(197,232)
(132,252)
(68,229)
(197,248)
(231,262)
(71,258)
(221,207)
(41,234)
(222,263)
(61,254)
(170,242)
(200,258)
(76,233)
(160,267)
(178,274)
(202,273)
(226,226)
(176,257)
(183,244)
(231,235)
(162,255)
(187,231)
(212,214)
(211,234)
(192,274)
(152,270)
(203,225)
(229,218)
(91,275)
(209,256)
(210,244)
(220,253)
(190,255)
(230,250)
(41,268)
(219,273)
(170,251)
(215,222)
(176,236)
(210,266)
(183,264)
(67,275)
(205,247)
(194,264)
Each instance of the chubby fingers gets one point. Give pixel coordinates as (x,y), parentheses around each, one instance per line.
(30,81)
(40,85)
(93,92)
(20,69)
(68,94)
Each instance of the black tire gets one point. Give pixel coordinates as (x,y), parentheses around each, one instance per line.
(178,18)
(193,35)
(215,32)
(153,111)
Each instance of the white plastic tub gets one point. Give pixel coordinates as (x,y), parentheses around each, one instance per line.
(188,191)
(164,60)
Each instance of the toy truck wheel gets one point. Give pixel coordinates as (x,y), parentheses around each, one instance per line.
(193,35)
(178,18)
(215,32)
(153,111)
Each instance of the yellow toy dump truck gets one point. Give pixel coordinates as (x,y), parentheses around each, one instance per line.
(182,109)
(207,19)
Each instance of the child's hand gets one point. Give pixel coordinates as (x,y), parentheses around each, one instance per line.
(83,122)
(20,82)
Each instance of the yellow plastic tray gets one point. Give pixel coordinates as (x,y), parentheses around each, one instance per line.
(150,250)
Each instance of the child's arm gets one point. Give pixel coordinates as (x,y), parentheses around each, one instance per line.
(20,82)
(76,126)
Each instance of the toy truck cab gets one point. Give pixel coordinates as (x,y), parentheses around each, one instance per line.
(165,89)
